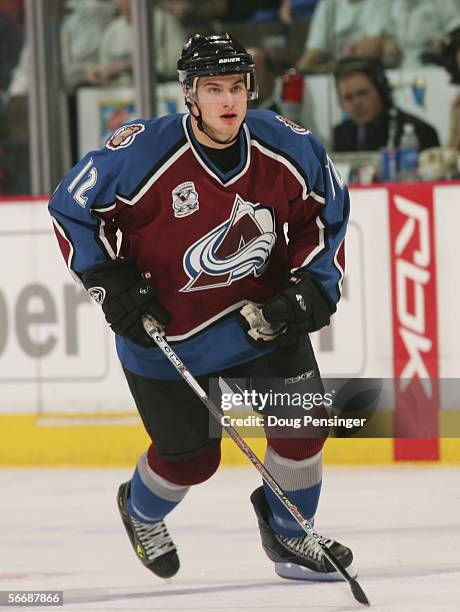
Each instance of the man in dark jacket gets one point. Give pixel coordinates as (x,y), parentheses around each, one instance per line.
(373,121)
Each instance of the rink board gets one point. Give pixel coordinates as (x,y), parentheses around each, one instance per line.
(63,398)
(28,441)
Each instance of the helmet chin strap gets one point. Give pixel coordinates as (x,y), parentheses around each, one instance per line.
(200,124)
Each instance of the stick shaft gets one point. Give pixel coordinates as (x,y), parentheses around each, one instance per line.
(162,344)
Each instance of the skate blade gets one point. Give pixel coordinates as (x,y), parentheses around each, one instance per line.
(292,571)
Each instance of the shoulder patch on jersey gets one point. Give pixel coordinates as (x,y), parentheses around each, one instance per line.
(124,136)
(295,127)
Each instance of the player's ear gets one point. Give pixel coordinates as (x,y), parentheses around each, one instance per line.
(189,102)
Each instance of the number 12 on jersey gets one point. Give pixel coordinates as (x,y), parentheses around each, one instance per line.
(89,173)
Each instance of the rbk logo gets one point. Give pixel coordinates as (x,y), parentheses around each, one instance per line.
(238,247)
(413,286)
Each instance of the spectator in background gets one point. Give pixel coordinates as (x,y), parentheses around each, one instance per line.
(116,51)
(373,121)
(241,10)
(264,10)
(11,40)
(296,9)
(178,8)
(454,132)
(81,28)
(116,46)
(344,28)
(202,14)
(296,15)
(82,22)
(255,24)
(416,28)
(14,166)
(169,36)
(266,76)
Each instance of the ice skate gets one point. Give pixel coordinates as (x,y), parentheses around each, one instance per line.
(298,558)
(151,541)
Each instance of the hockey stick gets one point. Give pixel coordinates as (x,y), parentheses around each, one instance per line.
(152,330)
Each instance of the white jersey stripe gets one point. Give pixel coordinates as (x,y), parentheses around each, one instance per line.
(316,196)
(111,253)
(71,251)
(207,168)
(104,208)
(156,176)
(317,248)
(285,162)
(339,268)
(218,316)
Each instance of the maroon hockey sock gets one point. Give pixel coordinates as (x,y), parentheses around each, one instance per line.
(296,448)
(187,471)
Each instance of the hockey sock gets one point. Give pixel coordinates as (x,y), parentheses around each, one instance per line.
(301,480)
(186,471)
(152,496)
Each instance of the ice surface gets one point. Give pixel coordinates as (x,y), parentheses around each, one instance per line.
(60,530)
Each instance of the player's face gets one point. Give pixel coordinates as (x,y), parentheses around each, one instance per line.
(223,103)
(359,98)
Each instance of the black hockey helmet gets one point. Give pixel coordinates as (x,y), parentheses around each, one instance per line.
(212,55)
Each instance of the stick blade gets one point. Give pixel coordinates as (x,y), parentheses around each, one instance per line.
(358,592)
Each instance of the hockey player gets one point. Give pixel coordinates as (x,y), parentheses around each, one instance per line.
(200,202)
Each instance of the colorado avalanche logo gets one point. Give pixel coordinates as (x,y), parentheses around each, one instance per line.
(238,247)
(124,136)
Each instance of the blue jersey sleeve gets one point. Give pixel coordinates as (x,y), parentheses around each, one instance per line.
(89,187)
(319,202)
(318,225)
(85,204)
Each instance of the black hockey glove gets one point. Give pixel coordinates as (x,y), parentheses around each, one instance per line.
(125,296)
(301,308)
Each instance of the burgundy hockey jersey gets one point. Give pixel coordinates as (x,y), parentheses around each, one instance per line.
(210,240)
